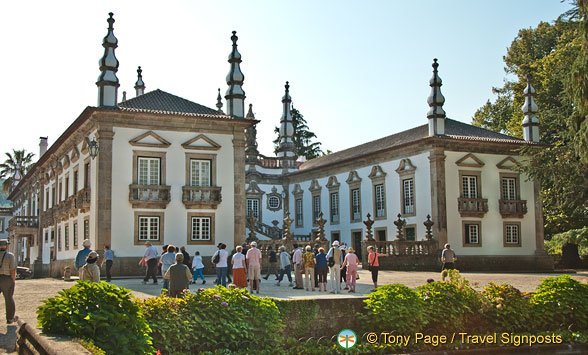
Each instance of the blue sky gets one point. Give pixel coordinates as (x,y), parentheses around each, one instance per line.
(358,70)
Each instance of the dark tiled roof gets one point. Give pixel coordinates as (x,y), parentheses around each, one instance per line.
(159,101)
(453,130)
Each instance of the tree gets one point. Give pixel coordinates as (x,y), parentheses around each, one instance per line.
(17,163)
(547,52)
(302,138)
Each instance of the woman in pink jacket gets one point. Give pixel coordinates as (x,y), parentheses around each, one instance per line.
(351,261)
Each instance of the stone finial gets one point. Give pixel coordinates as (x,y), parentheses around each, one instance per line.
(400,223)
(320,233)
(235,95)
(436,114)
(530,109)
(251,152)
(252,225)
(250,113)
(107,81)
(287,223)
(124,98)
(139,85)
(428,224)
(219,102)
(286,148)
(368,228)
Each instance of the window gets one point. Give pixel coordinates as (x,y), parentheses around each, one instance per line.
(59,190)
(87,175)
(469,185)
(274,202)
(299,219)
(75,234)
(86,229)
(52,236)
(335,207)
(75,181)
(355,205)
(253,207)
(200,228)
(472,233)
(408,196)
(47,237)
(199,172)
(1,225)
(509,188)
(66,190)
(148,228)
(316,208)
(380,200)
(381,234)
(512,234)
(410,232)
(66,239)
(59,237)
(148,171)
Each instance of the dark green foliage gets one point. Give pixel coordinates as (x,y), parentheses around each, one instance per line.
(101,312)
(451,306)
(506,309)
(212,318)
(560,303)
(574,236)
(394,308)
(19,161)
(4,202)
(302,138)
(300,315)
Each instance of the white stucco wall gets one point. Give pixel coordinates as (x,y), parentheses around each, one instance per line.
(492,222)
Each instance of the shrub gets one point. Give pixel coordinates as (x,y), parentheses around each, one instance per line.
(506,308)
(451,305)
(395,308)
(559,303)
(573,236)
(211,319)
(100,311)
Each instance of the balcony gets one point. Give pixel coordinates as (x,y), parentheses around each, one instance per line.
(201,196)
(149,196)
(82,200)
(47,217)
(23,225)
(472,207)
(512,208)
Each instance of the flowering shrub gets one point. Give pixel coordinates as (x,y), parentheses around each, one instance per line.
(506,308)
(210,319)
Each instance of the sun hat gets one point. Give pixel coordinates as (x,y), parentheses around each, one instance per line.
(253,244)
(93,255)
(336,243)
(86,243)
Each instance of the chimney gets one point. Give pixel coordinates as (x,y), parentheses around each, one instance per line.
(42,146)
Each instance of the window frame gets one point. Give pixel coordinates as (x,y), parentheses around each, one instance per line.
(149,154)
(470,173)
(212,168)
(299,212)
(147,214)
(316,212)
(335,207)
(519,234)
(190,217)
(464,226)
(383,194)
(517,189)
(247,209)
(403,205)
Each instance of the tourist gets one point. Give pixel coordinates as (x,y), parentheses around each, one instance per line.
(309,261)
(149,260)
(343,273)
(273,263)
(109,259)
(351,263)
(83,254)
(198,267)
(90,271)
(239,268)
(221,264)
(298,268)
(334,261)
(285,266)
(178,275)
(315,251)
(167,260)
(186,257)
(254,266)
(322,267)
(448,258)
(374,264)
(8,280)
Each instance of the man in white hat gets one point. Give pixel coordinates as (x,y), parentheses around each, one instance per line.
(7,279)
(334,260)
(83,254)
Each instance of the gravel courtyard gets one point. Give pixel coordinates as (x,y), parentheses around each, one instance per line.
(30,293)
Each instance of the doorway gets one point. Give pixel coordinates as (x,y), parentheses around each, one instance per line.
(356,242)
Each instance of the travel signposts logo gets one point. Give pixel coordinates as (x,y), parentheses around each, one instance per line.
(346,339)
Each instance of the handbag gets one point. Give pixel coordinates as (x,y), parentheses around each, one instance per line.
(216,258)
(331,261)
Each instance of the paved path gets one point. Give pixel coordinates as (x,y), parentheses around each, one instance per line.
(30,293)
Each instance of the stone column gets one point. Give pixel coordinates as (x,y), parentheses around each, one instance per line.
(103,213)
(539,232)
(239,183)
(438,198)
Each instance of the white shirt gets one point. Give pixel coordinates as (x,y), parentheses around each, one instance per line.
(150,253)
(224,255)
(197,262)
(238,261)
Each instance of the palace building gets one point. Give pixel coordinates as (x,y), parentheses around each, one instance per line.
(167,170)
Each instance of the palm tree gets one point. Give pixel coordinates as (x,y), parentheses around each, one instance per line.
(17,164)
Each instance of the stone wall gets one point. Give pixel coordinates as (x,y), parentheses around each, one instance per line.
(322,317)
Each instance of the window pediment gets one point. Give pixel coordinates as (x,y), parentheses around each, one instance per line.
(353,178)
(377,173)
(470,161)
(314,186)
(149,139)
(74,154)
(201,142)
(508,163)
(254,190)
(405,167)
(297,192)
(333,184)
